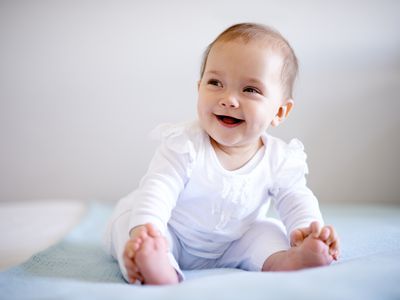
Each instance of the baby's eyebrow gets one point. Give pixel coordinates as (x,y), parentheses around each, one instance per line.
(214,72)
(255,80)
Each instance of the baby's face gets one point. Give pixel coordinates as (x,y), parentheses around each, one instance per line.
(240,92)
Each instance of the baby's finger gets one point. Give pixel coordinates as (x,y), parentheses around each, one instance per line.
(306,231)
(131,279)
(334,249)
(315,229)
(325,234)
(133,276)
(143,235)
(296,237)
(132,246)
(332,236)
(151,230)
(129,253)
(136,244)
(130,265)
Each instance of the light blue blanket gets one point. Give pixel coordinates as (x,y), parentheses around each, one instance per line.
(77,267)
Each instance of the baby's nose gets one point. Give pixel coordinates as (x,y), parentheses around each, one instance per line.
(229,101)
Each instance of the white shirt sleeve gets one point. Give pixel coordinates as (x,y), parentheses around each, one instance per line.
(296,204)
(158,191)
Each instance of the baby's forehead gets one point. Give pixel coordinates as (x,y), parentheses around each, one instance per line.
(272,47)
(267,60)
(274,54)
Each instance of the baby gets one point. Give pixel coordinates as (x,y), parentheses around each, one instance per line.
(203,202)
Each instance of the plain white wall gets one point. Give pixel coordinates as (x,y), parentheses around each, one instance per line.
(83,82)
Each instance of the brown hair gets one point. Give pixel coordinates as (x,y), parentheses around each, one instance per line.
(249,32)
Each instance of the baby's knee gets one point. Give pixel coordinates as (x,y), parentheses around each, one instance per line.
(270,227)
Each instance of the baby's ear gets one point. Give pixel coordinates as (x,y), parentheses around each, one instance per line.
(283,113)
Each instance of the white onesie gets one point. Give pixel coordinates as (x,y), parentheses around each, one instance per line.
(205,210)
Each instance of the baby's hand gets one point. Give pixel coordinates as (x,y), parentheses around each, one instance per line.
(327,234)
(132,245)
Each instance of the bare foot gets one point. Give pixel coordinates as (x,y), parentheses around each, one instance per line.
(129,261)
(152,261)
(131,246)
(311,253)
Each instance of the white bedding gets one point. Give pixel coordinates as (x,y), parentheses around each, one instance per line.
(78,268)
(29,227)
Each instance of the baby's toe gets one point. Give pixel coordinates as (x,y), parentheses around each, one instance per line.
(325,233)
(315,245)
(147,246)
(161,243)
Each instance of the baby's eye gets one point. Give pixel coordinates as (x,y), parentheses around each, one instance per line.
(251,89)
(215,82)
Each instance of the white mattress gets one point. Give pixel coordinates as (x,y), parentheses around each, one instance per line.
(78,268)
(29,227)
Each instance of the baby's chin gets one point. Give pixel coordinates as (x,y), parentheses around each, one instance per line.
(238,140)
(229,141)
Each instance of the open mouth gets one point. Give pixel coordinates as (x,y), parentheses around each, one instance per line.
(229,121)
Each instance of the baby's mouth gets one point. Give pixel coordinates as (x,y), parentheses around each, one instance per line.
(229,121)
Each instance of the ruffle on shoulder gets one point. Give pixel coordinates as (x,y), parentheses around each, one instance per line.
(292,166)
(179,138)
(295,154)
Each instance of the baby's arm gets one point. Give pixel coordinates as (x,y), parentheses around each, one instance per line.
(296,204)
(327,234)
(153,201)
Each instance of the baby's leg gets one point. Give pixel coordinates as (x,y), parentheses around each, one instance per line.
(115,238)
(153,262)
(265,247)
(263,239)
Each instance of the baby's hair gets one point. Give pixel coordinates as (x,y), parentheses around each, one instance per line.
(249,32)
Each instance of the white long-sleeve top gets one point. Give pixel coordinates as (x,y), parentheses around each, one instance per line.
(208,206)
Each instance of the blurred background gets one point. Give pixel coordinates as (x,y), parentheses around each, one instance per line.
(83,82)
